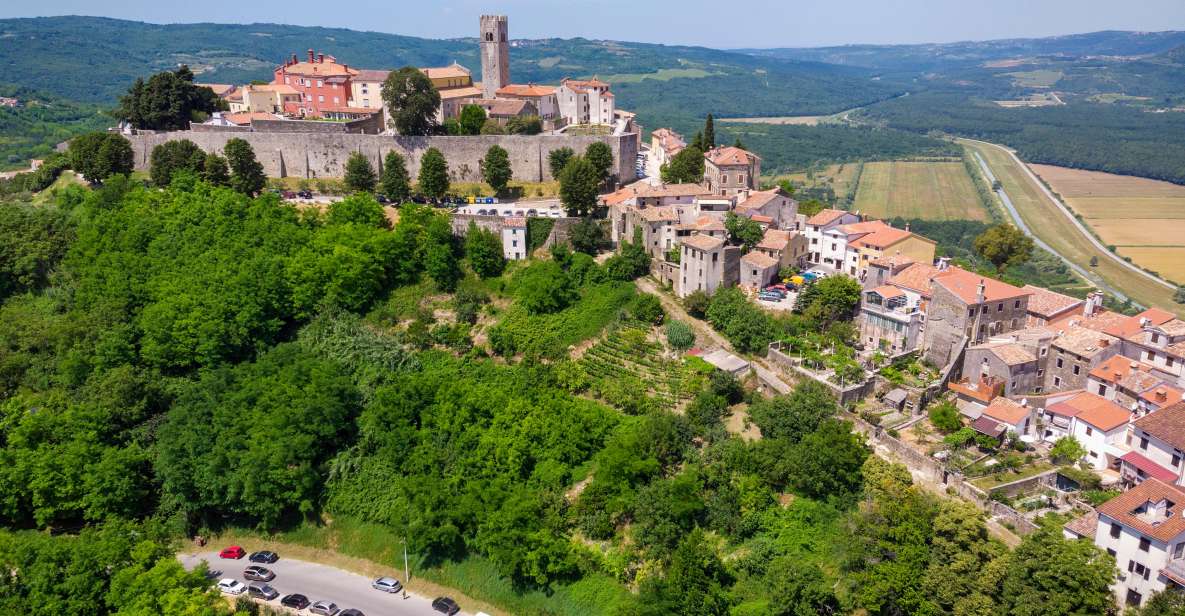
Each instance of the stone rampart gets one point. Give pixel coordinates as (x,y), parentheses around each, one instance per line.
(318,155)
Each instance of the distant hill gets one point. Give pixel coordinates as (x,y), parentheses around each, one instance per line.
(937,55)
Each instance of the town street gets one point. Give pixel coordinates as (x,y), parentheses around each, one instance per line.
(318,582)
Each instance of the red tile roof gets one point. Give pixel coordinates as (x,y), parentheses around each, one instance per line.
(759,259)
(515,222)
(1124,509)
(886,291)
(1163,396)
(825,217)
(367,74)
(530,89)
(964,285)
(703,242)
(1150,468)
(1046,303)
(1104,414)
(1167,424)
(1006,411)
(916,277)
(730,155)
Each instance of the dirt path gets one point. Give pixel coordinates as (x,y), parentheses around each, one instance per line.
(703,331)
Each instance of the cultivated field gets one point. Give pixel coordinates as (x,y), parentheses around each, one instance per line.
(930,190)
(839,177)
(1046,219)
(1144,219)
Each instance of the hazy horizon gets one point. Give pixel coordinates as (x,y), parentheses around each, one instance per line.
(759,23)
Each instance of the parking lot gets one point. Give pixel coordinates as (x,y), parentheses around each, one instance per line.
(318,582)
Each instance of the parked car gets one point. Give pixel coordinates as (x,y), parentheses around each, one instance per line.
(295,600)
(231,586)
(381,198)
(351,612)
(233,551)
(304,194)
(445,605)
(266,557)
(259,573)
(259,590)
(387,584)
(288,194)
(324,608)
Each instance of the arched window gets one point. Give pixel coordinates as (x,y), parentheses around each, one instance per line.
(490,36)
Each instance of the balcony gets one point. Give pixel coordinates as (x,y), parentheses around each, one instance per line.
(1175,571)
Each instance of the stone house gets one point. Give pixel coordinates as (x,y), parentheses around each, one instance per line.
(1012,363)
(664,145)
(893,314)
(730,170)
(787,247)
(966,308)
(758,269)
(1073,353)
(585,102)
(706,264)
(1144,530)
(1157,444)
(543,98)
(779,210)
(1046,306)
(1012,416)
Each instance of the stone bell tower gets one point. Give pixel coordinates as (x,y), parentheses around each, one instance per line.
(495,54)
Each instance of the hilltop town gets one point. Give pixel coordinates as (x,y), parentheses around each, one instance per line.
(622,371)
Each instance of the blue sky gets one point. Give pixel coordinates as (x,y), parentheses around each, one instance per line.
(734,23)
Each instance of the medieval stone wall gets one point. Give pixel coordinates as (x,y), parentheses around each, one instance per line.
(315,155)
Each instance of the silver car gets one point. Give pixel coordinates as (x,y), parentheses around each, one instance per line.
(387,584)
(324,608)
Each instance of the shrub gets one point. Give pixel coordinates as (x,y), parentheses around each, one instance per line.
(680,335)
(697,304)
(544,288)
(647,308)
(945,417)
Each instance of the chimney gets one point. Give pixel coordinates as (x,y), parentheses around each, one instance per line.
(311,57)
(943,263)
(907,225)
(293,61)
(1145,322)
(980,292)
(1161,395)
(321,58)
(1094,301)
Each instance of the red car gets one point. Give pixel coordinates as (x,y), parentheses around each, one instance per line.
(233,551)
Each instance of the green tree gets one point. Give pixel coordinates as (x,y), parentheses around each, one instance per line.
(796,588)
(395,183)
(215,170)
(246,173)
(795,415)
(484,249)
(524,125)
(98,156)
(357,210)
(544,288)
(647,308)
(1004,245)
(738,143)
(586,235)
(360,175)
(827,462)
(945,416)
(697,303)
(709,134)
(411,100)
(557,159)
(600,156)
(495,168)
(167,101)
(471,119)
(1168,602)
(695,584)
(831,299)
(33,241)
(173,156)
(492,127)
(578,187)
(441,264)
(433,180)
(1067,450)
(686,167)
(1179,295)
(743,231)
(1048,575)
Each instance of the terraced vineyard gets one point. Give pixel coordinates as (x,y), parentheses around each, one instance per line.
(628,363)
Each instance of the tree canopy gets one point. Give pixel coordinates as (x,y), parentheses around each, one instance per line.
(168,101)
(579,181)
(495,168)
(1004,245)
(411,100)
(434,175)
(396,182)
(686,167)
(246,173)
(360,175)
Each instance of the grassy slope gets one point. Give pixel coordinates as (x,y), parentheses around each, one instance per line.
(1053,227)
(929,190)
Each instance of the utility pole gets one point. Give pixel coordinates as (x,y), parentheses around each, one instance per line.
(406,570)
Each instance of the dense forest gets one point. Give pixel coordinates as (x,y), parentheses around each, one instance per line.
(1112,138)
(193,360)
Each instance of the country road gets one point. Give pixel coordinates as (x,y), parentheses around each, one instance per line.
(1070,217)
(318,582)
(1020,224)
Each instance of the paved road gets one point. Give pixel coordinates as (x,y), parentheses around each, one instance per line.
(318,582)
(1020,224)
